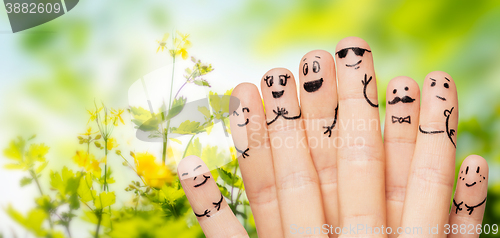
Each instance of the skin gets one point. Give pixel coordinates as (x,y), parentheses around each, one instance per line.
(470,195)
(399,144)
(239,118)
(316,119)
(284,181)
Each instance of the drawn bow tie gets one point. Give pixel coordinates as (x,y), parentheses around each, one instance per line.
(401,119)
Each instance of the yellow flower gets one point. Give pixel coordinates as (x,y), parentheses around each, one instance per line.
(94,167)
(154,174)
(171,152)
(111,144)
(89,132)
(163,43)
(233,153)
(87,162)
(93,114)
(117,114)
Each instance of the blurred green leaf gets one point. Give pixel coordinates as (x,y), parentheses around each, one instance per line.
(224,191)
(105,199)
(187,127)
(194,148)
(229,178)
(202,82)
(26,181)
(84,189)
(144,119)
(176,108)
(32,221)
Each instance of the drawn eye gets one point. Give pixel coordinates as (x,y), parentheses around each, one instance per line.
(433,84)
(245,108)
(269,80)
(305,69)
(315,66)
(358,51)
(342,53)
(406,88)
(394,91)
(477,171)
(446,85)
(283,79)
(235,113)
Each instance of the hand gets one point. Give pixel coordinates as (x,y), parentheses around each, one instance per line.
(298,177)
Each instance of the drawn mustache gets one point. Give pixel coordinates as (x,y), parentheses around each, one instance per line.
(278,94)
(405,99)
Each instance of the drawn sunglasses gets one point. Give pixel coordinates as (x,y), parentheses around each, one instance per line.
(358,51)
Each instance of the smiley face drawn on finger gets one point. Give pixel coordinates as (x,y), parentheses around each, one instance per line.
(358,51)
(470,176)
(205,177)
(313,71)
(239,120)
(403,99)
(269,79)
(434,83)
(247,120)
(278,90)
(441,89)
(397,99)
(196,175)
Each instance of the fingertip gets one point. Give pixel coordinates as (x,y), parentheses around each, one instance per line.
(439,106)
(440,85)
(474,162)
(352,41)
(245,91)
(401,83)
(191,166)
(472,178)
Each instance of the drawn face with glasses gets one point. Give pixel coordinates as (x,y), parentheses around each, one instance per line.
(357,51)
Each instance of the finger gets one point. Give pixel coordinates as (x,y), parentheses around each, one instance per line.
(401,127)
(360,153)
(214,215)
(432,170)
(318,102)
(470,197)
(255,159)
(299,195)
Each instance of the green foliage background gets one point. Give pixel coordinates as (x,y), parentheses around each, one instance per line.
(52,73)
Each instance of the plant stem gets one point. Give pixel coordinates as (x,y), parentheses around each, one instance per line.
(178,91)
(185,151)
(69,232)
(69,220)
(169,107)
(105,163)
(130,166)
(232,185)
(33,175)
(98,224)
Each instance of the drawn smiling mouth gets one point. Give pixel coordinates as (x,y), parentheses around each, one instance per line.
(442,98)
(313,86)
(354,65)
(278,94)
(470,185)
(204,181)
(244,124)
